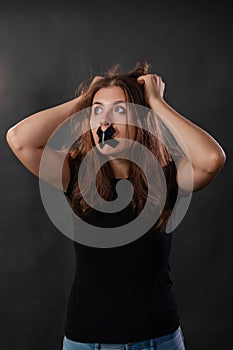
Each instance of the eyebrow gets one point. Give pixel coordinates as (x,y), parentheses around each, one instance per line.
(114,103)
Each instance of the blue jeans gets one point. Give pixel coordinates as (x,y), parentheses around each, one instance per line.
(172,341)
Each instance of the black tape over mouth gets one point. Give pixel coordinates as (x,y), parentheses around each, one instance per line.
(106,135)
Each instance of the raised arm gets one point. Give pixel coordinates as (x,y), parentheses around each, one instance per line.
(29,136)
(207,156)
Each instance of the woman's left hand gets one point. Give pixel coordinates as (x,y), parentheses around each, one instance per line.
(153,87)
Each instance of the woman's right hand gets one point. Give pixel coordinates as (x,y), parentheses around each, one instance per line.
(95,80)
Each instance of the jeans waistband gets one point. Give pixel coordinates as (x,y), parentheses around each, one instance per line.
(134,345)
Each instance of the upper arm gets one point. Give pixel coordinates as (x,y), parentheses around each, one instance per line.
(54,161)
(190,179)
(55,168)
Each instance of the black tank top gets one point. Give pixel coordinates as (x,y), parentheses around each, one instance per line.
(122,294)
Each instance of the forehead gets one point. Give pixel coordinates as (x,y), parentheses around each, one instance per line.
(109,94)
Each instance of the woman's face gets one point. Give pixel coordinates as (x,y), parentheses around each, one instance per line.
(109,108)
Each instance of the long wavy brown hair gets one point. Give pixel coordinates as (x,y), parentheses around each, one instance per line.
(134,93)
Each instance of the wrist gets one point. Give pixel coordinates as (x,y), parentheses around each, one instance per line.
(156,103)
(74,103)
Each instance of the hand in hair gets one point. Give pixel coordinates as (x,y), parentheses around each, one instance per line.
(153,87)
(96,79)
(85,85)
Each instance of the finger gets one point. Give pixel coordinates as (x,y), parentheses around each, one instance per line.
(96,78)
(156,76)
(141,80)
(161,78)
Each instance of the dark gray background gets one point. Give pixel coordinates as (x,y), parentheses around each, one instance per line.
(46,51)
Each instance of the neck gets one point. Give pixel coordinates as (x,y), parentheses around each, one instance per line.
(120,167)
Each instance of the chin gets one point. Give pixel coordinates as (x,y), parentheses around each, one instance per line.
(107,150)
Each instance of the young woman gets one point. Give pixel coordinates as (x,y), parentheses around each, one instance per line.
(122,297)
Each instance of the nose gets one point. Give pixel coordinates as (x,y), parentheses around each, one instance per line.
(104,124)
(106,118)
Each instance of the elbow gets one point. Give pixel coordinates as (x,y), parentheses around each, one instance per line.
(12,139)
(217,161)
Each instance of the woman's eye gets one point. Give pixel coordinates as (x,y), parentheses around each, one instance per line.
(120,110)
(97,110)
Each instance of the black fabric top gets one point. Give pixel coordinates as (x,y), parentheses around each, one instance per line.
(122,294)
